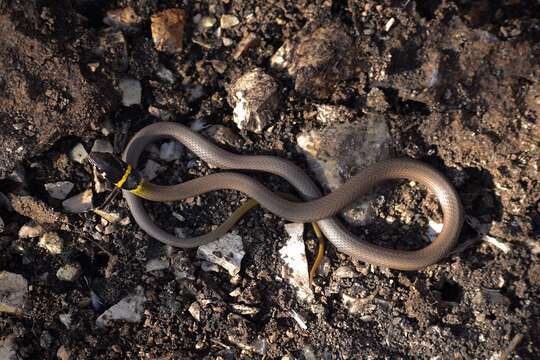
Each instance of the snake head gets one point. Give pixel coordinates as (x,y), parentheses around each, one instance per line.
(118,172)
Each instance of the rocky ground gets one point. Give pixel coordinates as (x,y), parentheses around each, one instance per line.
(331,85)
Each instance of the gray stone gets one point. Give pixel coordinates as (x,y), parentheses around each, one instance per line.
(51,242)
(79,203)
(2,225)
(156,265)
(338,151)
(171,151)
(69,272)
(128,309)
(59,190)
(8,348)
(255,99)
(13,293)
(226,252)
(102,146)
(131,91)
(151,170)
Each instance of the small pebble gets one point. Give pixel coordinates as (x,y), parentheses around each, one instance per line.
(63,353)
(78,153)
(2,225)
(59,190)
(70,272)
(227,41)
(228,21)
(207,22)
(102,146)
(168,30)
(389,24)
(79,203)
(51,242)
(30,230)
(124,18)
(170,151)
(195,311)
(131,91)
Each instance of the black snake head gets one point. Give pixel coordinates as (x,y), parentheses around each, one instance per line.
(113,169)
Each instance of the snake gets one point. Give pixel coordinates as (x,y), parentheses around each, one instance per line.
(315,207)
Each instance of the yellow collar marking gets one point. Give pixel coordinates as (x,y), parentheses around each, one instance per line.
(139,190)
(121,182)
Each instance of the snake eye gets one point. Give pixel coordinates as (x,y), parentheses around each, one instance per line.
(118,172)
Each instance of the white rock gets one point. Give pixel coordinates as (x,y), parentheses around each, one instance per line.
(59,190)
(129,309)
(296,269)
(151,170)
(195,311)
(433,230)
(78,153)
(131,91)
(102,146)
(255,100)
(13,292)
(51,242)
(79,203)
(8,348)
(69,272)
(30,230)
(66,320)
(226,252)
(170,151)
(228,21)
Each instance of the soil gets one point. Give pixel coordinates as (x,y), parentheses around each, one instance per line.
(457,84)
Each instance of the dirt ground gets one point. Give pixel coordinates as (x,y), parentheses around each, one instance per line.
(456,83)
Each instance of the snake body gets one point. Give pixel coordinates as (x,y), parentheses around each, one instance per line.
(316,208)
